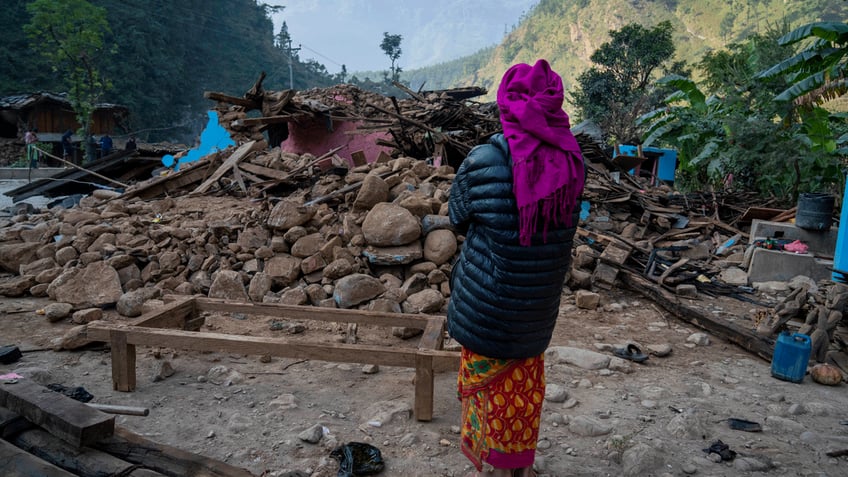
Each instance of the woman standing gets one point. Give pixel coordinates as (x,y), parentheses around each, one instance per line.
(516,200)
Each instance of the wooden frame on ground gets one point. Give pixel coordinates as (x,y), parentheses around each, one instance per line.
(176,326)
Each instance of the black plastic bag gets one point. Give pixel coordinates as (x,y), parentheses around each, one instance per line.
(357,458)
(721,449)
(79,393)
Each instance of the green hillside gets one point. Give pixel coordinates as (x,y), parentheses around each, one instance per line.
(567,32)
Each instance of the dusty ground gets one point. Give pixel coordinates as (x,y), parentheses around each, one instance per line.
(661,415)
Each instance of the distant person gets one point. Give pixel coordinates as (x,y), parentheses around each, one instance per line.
(131,145)
(31,141)
(90,149)
(67,147)
(105,145)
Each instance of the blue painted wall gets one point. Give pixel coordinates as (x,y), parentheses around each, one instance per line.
(666,164)
(840,255)
(213,138)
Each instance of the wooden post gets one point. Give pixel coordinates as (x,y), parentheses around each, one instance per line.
(423,387)
(123,362)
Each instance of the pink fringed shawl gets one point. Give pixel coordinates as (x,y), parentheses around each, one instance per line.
(547,162)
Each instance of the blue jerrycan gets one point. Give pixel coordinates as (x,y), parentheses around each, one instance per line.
(791,355)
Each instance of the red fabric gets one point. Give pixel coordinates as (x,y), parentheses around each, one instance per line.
(547,161)
(501,409)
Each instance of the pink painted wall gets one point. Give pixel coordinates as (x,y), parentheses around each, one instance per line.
(313,137)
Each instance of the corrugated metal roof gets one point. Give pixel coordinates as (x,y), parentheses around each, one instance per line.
(26,100)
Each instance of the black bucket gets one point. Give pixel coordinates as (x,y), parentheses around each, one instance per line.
(815,211)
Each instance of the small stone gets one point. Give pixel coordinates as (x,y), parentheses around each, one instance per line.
(265,358)
(370,369)
(312,435)
(165,370)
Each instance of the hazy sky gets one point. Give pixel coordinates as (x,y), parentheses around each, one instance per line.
(349,32)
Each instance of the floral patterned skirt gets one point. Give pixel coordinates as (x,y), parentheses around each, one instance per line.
(501,409)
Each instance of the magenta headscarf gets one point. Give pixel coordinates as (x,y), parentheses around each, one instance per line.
(547,163)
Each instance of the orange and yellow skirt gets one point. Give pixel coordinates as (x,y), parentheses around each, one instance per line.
(501,409)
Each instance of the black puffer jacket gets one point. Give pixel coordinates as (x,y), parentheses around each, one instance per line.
(504,297)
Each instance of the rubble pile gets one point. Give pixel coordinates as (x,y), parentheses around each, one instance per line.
(253,223)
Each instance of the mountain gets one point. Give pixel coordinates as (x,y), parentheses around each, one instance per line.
(566,33)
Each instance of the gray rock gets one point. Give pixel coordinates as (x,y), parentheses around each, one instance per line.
(581,358)
(700,339)
(734,276)
(13,255)
(307,245)
(97,284)
(312,435)
(425,301)
(373,191)
(228,285)
(57,311)
(390,225)
(383,412)
(289,213)
(586,426)
(338,268)
(131,303)
(355,289)
(555,393)
(641,459)
(17,286)
(87,315)
(259,286)
(283,269)
(440,246)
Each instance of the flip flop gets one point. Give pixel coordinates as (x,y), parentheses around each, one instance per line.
(743,425)
(631,352)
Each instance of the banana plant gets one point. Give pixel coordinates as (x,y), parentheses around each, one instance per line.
(817,72)
(688,123)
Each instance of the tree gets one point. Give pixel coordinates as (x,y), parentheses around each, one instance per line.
(617,91)
(69,34)
(391,47)
(817,73)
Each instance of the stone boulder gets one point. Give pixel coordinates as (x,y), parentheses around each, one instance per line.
(96,285)
(355,289)
(388,225)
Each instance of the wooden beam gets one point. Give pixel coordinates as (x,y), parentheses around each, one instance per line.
(173,315)
(168,183)
(16,462)
(83,462)
(231,161)
(287,118)
(264,171)
(296,312)
(225,98)
(123,361)
(166,459)
(743,337)
(253,345)
(67,419)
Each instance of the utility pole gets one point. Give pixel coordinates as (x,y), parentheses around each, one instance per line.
(291,50)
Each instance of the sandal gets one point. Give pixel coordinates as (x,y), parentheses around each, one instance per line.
(631,352)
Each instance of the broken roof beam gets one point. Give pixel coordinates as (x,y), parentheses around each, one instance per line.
(287,118)
(235,100)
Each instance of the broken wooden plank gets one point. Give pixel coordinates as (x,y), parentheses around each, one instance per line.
(282,118)
(225,98)
(266,172)
(170,183)
(16,462)
(163,458)
(67,419)
(231,161)
(745,338)
(83,462)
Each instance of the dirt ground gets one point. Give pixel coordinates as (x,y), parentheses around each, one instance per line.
(659,416)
